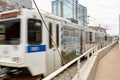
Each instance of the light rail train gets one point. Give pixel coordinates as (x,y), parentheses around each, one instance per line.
(26,47)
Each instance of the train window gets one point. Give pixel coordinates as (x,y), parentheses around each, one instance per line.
(105,38)
(10,32)
(86,36)
(90,34)
(57,35)
(34,31)
(50,34)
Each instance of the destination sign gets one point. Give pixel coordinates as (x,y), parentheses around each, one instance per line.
(9,15)
(36,48)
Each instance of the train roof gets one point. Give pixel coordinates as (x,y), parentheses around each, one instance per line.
(50,15)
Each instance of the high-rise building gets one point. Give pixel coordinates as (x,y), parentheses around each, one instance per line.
(70,9)
(82,15)
(65,8)
(14,4)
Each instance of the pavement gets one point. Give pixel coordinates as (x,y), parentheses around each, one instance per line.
(109,66)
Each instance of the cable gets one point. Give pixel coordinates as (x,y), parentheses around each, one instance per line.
(55,45)
(94,21)
(98,21)
(46,27)
(77,12)
(83,19)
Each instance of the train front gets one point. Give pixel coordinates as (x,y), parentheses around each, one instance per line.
(10,41)
(16,55)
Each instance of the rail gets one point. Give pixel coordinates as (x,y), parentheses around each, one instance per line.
(87,54)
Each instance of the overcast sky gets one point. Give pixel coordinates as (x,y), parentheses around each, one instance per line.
(103,12)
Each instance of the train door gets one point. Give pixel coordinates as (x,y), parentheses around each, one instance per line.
(35,59)
(53,60)
(50,55)
(56,36)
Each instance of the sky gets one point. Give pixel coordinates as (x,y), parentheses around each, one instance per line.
(103,12)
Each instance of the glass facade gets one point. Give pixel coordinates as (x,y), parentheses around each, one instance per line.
(54,7)
(70,9)
(65,8)
(57,8)
(82,15)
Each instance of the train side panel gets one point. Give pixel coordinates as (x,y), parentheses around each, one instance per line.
(70,41)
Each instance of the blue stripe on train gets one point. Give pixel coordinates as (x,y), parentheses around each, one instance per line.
(36,48)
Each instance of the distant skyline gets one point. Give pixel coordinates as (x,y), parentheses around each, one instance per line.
(103,12)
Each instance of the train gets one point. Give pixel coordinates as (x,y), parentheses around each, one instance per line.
(26,47)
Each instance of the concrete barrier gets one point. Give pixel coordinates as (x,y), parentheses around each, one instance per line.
(88,71)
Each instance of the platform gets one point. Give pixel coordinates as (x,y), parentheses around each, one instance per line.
(109,66)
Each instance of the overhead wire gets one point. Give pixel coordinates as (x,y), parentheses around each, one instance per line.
(94,21)
(97,18)
(99,22)
(77,12)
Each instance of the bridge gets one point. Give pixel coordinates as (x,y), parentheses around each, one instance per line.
(99,64)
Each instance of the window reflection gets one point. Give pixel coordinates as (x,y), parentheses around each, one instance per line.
(34,31)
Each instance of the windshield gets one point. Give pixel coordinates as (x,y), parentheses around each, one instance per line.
(10,32)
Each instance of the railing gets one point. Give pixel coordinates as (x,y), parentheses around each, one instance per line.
(77,61)
(73,68)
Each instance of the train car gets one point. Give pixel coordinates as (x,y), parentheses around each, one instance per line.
(26,47)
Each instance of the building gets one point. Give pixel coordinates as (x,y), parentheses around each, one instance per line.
(70,9)
(14,4)
(82,15)
(57,8)
(65,8)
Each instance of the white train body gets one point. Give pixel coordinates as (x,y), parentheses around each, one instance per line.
(25,41)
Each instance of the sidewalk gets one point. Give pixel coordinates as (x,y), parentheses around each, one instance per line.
(109,66)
